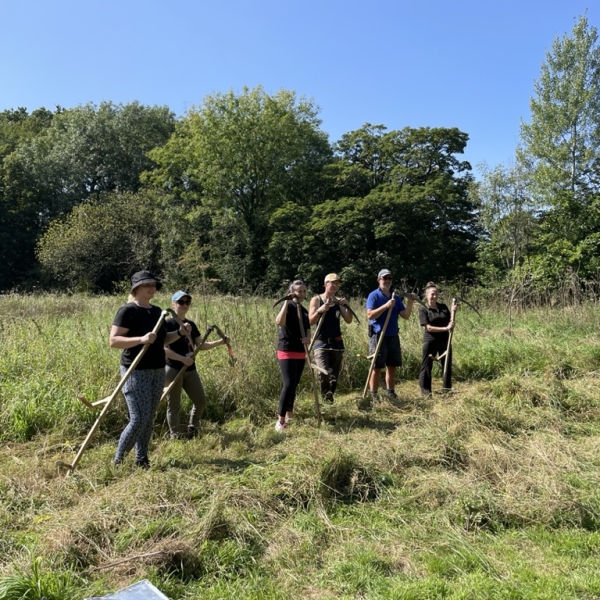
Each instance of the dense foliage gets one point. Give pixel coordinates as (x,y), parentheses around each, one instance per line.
(245,190)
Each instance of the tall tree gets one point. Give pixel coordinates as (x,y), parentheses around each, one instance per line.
(509,218)
(561,144)
(102,242)
(403,203)
(66,158)
(561,148)
(246,155)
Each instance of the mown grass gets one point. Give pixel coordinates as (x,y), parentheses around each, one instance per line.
(488,492)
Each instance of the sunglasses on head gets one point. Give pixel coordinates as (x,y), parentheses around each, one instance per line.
(188,302)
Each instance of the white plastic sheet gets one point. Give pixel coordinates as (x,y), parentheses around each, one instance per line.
(142,590)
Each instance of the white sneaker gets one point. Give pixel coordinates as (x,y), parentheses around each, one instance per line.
(279,426)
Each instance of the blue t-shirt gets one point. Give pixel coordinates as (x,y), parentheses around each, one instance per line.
(377,299)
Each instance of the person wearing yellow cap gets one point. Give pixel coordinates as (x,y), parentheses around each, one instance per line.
(325,311)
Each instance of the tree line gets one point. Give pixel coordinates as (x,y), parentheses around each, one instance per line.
(246,191)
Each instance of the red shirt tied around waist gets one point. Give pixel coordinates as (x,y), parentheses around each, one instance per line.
(292,321)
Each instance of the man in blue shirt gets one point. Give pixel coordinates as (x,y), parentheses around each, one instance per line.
(379,303)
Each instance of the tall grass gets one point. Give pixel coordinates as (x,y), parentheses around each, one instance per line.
(488,492)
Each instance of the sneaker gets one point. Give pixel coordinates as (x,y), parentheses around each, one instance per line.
(425,392)
(288,420)
(391,394)
(192,432)
(328,398)
(279,426)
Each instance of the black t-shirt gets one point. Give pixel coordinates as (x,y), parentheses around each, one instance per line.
(290,336)
(139,321)
(438,317)
(182,344)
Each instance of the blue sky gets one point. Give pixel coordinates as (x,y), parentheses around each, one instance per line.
(466,64)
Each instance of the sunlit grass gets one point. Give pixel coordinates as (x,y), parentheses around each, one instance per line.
(488,492)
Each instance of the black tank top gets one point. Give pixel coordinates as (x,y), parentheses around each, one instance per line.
(330,329)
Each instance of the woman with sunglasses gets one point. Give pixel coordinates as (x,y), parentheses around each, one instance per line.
(180,353)
(132,328)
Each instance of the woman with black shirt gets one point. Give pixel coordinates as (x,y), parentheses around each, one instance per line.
(130,331)
(180,353)
(291,352)
(437,322)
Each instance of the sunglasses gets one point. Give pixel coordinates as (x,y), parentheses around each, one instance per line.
(184,302)
(387,278)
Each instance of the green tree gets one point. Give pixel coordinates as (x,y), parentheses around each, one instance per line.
(561,144)
(102,242)
(245,155)
(60,160)
(561,148)
(19,210)
(509,220)
(404,204)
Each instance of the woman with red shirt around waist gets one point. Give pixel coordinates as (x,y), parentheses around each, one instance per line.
(291,352)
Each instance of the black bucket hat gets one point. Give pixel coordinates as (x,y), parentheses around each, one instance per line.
(142,277)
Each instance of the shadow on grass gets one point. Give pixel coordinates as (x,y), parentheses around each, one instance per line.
(231,465)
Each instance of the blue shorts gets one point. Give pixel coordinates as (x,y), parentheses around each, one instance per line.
(390,354)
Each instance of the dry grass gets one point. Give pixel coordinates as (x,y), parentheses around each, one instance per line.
(454,496)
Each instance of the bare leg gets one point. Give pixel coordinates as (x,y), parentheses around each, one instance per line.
(390,377)
(374,381)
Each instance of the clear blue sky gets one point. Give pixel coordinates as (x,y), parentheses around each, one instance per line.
(467,64)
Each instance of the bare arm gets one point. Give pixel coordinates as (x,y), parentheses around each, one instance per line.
(118,338)
(374,313)
(344,310)
(210,345)
(405,314)
(280,319)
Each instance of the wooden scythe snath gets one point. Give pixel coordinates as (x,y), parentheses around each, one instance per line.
(232,359)
(379,342)
(110,399)
(181,372)
(309,365)
(447,354)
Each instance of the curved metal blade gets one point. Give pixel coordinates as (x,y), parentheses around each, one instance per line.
(181,325)
(468,304)
(283,299)
(353,313)
(408,296)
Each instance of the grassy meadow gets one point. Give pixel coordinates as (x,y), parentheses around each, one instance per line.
(491,491)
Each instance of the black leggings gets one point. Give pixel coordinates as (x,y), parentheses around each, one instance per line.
(434,347)
(291,370)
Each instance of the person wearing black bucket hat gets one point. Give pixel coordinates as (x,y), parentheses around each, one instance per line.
(132,328)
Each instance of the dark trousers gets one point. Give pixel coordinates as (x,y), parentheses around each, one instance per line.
(190,382)
(331,361)
(291,371)
(433,347)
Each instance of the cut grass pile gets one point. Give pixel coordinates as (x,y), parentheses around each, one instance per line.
(488,492)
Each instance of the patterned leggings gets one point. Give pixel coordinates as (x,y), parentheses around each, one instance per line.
(142,392)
